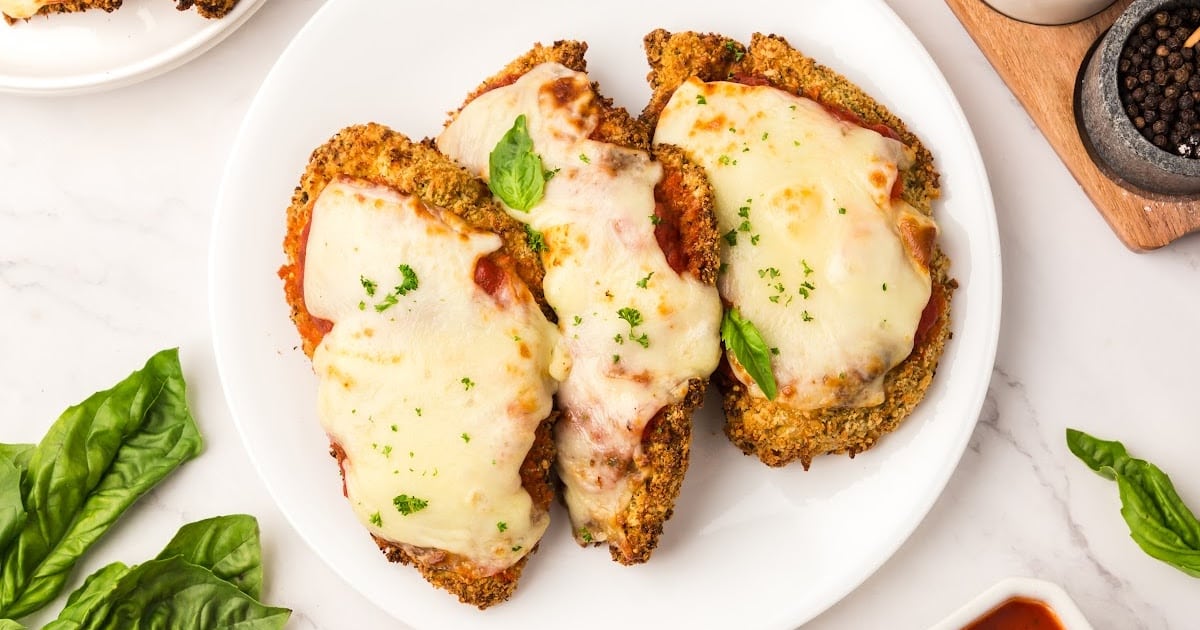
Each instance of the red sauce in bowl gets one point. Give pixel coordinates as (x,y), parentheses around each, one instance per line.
(1018,613)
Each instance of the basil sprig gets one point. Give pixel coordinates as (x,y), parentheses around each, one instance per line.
(515,173)
(747,344)
(208,576)
(94,462)
(1158,520)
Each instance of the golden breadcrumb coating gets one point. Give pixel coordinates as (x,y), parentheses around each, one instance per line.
(375,153)
(776,433)
(687,225)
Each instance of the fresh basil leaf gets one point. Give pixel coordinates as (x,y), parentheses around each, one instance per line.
(9,624)
(95,461)
(168,593)
(90,601)
(17,454)
(1159,521)
(515,172)
(1097,454)
(226,545)
(173,594)
(12,507)
(743,339)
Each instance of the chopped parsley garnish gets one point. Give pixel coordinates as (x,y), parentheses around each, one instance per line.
(516,548)
(732,130)
(723,268)
(368,285)
(795,143)
(885,286)
(744,212)
(389,301)
(548,175)
(733,49)
(731,237)
(764,136)
(585,535)
(578,320)
(806,287)
(362,306)
(395,428)
(775,351)
(535,239)
(745,226)
(467,383)
(807,270)
(619,338)
(616,358)
(841,210)
(515,172)
(418,410)
(410,280)
(655,219)
(806,317)
(407,505)
(725,160)
(584,158)
(700,100)
(769,271)
(792,107)
(754,239)
(377,520)
(501,526)
(644,281)
(631,315)
(387,450)
(466,437)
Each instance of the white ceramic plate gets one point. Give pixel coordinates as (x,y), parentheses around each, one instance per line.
(749,545)
(91,51)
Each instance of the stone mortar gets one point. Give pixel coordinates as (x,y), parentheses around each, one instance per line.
(1107,127)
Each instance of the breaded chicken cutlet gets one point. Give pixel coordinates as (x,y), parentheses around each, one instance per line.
(24,9)
(622,467)
(774,431)
(377,156)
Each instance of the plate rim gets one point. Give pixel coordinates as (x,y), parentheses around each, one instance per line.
(992,293)
(143,69)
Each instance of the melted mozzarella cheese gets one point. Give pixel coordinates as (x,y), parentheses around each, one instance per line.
(436,397)
(21,9)
(812,238)
(602,262)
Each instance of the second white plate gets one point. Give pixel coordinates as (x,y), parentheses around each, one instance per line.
(91,51)
(748,546)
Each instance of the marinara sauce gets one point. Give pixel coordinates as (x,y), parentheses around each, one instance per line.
(1018,613)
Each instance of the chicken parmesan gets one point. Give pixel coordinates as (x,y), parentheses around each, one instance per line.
(629,249)
(433,357)
(837,294)
(14,10)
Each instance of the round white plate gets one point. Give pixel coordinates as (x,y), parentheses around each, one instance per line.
(73,53)
(749,545)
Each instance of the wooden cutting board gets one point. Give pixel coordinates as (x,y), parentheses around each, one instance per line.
(1040,64)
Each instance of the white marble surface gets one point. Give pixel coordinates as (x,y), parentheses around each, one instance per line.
(105,207)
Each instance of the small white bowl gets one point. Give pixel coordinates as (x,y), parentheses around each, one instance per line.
(1049,12)
(1055,598)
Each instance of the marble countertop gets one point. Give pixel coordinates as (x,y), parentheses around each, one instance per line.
(105,209)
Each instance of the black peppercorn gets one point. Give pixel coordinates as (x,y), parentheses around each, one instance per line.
(1159,86)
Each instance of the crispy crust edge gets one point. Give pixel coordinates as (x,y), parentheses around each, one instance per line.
(378,154)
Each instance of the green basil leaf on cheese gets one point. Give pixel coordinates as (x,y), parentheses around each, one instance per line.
(747,345)
(515,173)
(96,460)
